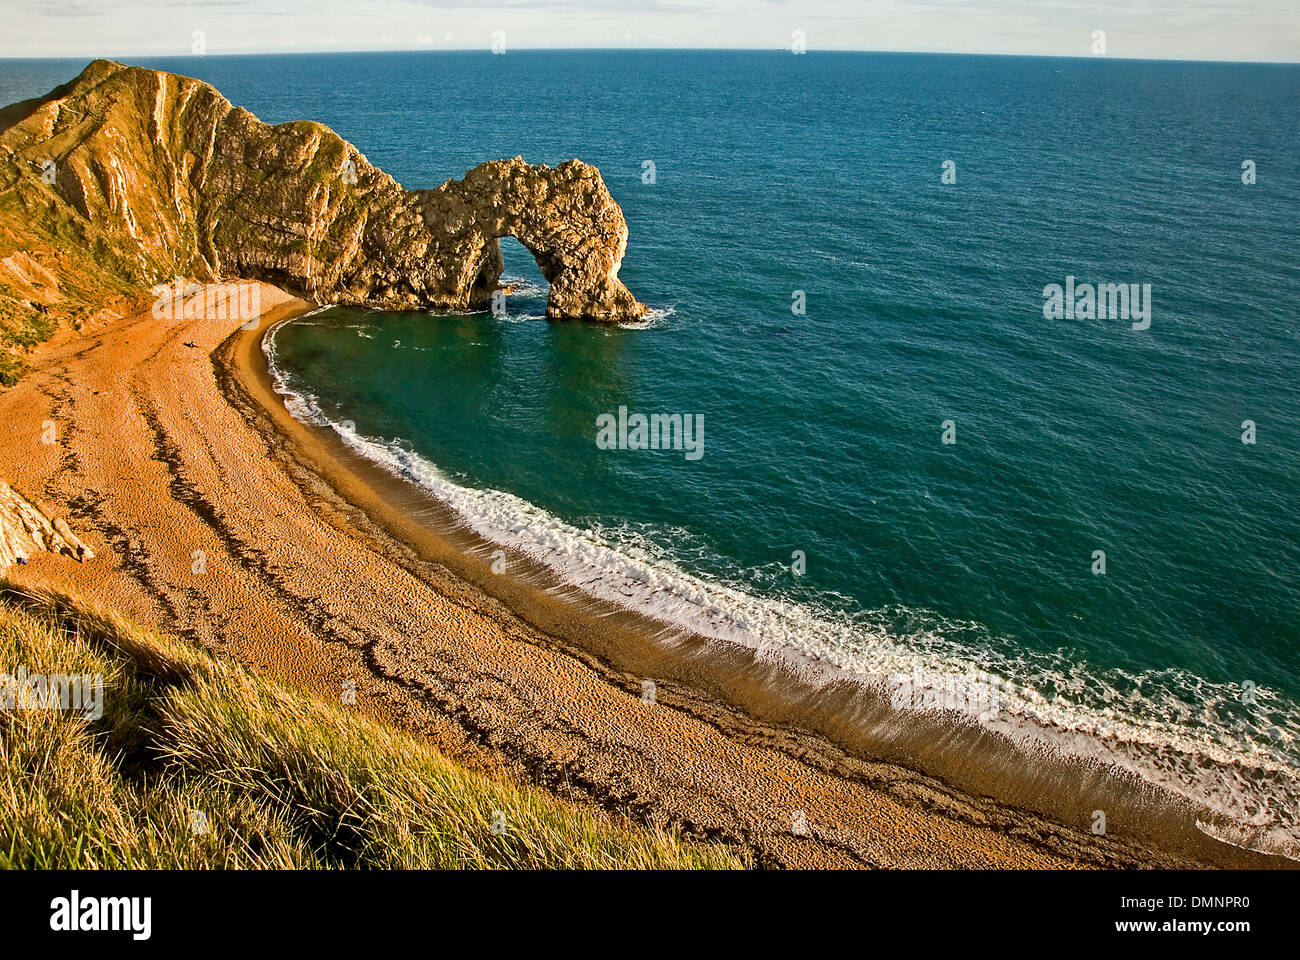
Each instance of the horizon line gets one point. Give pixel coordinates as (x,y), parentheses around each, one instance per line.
(327,51)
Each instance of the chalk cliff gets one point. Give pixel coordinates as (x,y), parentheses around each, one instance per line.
(153,175)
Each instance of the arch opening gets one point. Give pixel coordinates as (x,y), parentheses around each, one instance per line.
(527,289)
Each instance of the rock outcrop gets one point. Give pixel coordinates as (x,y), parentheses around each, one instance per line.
(154,175)
(565,218)
(25,531)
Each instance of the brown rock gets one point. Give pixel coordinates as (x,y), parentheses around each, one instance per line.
(177,181)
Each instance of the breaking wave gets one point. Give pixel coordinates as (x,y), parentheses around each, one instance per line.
(1234,763)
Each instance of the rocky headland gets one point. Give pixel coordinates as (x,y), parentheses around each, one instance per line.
(125,177)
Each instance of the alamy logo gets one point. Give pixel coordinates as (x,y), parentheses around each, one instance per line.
(73,913)
(658,431)
(54,691)
(976,694)
(209,301)
(1104,301)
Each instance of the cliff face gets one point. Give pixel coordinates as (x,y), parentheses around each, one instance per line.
(151,175)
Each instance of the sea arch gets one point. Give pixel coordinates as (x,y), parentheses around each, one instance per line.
(564,216)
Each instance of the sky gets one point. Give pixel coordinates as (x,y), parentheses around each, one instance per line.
(1159,29)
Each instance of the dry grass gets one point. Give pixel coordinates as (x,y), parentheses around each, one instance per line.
(278,778)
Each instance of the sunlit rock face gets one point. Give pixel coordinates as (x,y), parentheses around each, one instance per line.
(564,216)
(168,178)
(25,531)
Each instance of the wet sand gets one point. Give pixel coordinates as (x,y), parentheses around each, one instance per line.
(216,516)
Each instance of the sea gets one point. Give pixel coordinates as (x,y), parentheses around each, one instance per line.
(914,466)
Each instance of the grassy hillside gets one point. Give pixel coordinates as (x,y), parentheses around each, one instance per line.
(196,763)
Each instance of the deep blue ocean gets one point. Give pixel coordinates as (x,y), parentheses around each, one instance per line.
(923,561)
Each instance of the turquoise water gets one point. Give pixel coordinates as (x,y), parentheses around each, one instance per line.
(924,304)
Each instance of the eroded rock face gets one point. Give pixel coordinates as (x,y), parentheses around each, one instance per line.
(172,180)
(26,531)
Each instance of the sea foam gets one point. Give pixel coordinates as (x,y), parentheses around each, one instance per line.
(1170,730)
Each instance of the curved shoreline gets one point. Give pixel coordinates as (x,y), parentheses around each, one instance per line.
(918,704)
(710,682)
(321,568)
